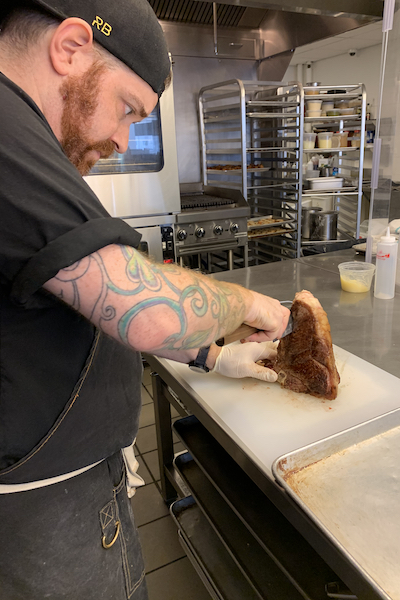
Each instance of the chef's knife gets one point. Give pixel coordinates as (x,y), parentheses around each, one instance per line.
(245,330)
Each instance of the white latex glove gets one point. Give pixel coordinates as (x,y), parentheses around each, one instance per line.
(239,360)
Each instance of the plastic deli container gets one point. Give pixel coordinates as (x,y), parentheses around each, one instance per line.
(339,139)
(309,141)
(355,141)
(313,113)
(314,104)
(325,139)
(356,277)
(342,104)
(312,92)
(327,106)
(326,183)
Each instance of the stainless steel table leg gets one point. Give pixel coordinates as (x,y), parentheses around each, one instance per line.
(165,445)
(246,254)
(230,260)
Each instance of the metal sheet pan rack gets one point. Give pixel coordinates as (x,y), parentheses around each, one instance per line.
(269,558)
(252,136)
(347,200)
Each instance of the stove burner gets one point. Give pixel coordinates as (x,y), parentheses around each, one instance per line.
(204,201)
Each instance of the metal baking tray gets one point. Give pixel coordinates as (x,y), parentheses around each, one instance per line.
(212,561)
(251,227)
(262,233)
(349,484)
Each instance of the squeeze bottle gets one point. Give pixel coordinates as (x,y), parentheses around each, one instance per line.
(386,263)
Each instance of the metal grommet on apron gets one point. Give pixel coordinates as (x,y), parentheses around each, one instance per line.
(103,539)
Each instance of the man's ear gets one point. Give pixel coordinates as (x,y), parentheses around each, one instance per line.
(71,47)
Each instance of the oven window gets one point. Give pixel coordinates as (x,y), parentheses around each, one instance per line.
(144,152)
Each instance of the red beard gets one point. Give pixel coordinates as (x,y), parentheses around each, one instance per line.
(80,101)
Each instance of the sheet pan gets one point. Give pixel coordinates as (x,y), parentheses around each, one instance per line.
(349,484)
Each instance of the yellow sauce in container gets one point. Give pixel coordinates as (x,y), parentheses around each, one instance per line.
(354,286)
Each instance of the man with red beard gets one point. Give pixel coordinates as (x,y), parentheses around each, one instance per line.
(79,302)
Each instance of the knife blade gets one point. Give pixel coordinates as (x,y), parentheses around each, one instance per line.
(245,330)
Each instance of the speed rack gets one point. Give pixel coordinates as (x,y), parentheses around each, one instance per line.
(252,136)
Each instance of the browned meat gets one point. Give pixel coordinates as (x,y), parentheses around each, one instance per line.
(305,361)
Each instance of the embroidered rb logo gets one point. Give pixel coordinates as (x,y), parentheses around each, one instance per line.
(102,26)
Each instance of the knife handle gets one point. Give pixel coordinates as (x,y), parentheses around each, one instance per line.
(241,332)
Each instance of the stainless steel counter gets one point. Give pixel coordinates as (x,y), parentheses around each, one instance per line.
(360,323)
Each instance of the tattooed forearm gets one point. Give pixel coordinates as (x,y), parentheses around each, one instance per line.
(150,306)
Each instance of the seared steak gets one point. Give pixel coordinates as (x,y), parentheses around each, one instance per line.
(305,361)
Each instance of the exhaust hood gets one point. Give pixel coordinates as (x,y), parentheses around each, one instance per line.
(257,29)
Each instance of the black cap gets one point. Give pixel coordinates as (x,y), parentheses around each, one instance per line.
(128,29)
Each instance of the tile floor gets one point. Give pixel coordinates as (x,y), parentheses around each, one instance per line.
(169,573)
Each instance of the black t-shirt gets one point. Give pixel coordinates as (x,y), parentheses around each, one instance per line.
(49,218)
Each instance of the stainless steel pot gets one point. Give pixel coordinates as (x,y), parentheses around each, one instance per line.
(306,213)
(323,225)
(325,171)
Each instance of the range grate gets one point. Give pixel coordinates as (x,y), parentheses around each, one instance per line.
(204,201)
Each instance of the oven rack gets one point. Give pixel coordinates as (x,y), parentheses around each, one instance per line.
(244,123)
(247,122)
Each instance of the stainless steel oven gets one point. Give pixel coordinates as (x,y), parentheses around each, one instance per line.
(141,186)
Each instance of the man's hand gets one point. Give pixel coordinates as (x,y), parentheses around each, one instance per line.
(239,360)
(268,315)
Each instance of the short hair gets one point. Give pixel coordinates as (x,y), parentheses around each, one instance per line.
(23,26)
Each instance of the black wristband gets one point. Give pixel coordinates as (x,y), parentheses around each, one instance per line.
(199,363)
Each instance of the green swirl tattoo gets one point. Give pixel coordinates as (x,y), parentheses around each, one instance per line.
(203,298)
(198,298)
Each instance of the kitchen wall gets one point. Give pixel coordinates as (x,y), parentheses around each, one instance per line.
(190,75)
(345,69)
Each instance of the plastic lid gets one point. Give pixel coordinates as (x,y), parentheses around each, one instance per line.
(388,239)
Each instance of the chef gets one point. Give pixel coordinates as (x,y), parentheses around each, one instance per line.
(79,302)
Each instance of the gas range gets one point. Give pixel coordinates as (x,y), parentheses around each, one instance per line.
(213,217)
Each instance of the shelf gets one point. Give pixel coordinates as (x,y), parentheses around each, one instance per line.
(266,115)
(270,103)
(330,97)
(332,119)
(340,191)
(237,171)
(339,240)
(331,150)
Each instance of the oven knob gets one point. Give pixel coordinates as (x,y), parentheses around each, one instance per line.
(200,232)
(234,227)
(218,230)
(181,235)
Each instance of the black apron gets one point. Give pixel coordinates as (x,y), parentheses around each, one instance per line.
(100,417)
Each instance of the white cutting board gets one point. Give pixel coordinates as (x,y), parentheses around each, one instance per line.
(267,421)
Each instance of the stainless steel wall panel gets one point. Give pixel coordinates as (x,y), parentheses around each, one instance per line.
(190,75)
